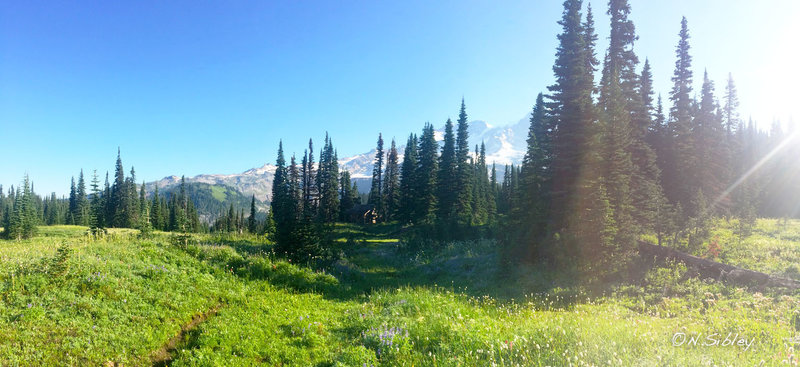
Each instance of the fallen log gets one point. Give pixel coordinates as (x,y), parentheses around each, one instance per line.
(719,271)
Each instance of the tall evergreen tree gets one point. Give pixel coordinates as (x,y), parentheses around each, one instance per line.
(347,198)
(408,178)
(81,216)
(535,176)
(73,202)
(328,183)
(391,184)
(447,178)
(119,196)
(97,205)
(572,113)
(375,192)
(679,175)
(251,220)
(464,170)
(426,172)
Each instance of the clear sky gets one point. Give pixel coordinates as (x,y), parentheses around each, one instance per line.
(191,87)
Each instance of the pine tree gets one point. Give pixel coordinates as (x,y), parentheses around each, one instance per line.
(251,221)
(328,183)
(346,197)
(572,113)
(391,184)
(463,204)
(427,169)
(534,175)
(97,206)
(81,216)
(447,179)
(308,184)
(408,181)
(155,210)
(679,173)
(375,192)
(119,197)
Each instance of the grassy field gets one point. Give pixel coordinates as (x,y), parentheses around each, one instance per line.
(226,300)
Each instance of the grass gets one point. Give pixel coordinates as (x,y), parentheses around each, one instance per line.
(125,300)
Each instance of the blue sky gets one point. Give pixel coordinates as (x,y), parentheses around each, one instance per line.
(210,87)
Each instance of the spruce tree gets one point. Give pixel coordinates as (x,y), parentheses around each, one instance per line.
(375,192)
(328,183)
(463,204)
(119,197)
(426,172)
(391,184)
(346,202)
(82,203)
(97,206)
(534,175)
(447,179)
(73,202)
(251,221)
(572,112)
(155,216)
(681,168)
(408,181)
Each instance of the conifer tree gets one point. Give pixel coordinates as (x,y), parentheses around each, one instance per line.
(572,112)
(679,175)
(328,183)
(97,205)
(346,197)
(463,204)
(119,197)
(408,181)
(155,210)
(251,221)
(375,192)
(73,202)
(447,179)
(81,216)
(426,172)
(534,175)
(391,184)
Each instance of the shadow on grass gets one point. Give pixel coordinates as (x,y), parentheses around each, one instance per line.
(373,260)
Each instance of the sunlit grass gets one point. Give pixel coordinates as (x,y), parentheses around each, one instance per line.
(122,298)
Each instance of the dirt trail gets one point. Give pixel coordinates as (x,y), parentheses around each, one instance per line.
(163,356)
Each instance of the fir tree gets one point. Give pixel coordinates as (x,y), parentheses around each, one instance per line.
(679,175)
(251,220)
(73,202)
(391,184)
(572,112)
(426,201)
(81,216)
(375,192)
(328,183)
(447,179)
(463,204)
(408,181)
(346,198)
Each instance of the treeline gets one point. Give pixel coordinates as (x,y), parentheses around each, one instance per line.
(237,222)
(605,164)
(121,204)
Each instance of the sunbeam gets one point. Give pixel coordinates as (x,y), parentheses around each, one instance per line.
(755,168)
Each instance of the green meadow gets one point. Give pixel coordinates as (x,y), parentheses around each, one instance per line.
(223,300)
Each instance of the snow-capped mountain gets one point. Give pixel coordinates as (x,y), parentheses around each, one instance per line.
(504,145)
